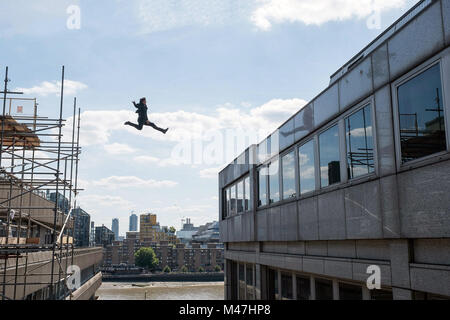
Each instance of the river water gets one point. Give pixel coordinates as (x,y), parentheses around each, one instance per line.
(161,291)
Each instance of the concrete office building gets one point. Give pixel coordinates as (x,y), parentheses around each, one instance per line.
(115,228)
(187,232)
(63,202)
(360,176)
(133,223)
(103,236)
(82,222)
(151,231)
(92,235)
(193,257)
(208,233)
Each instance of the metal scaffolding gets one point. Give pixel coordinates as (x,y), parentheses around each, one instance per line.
(36,161)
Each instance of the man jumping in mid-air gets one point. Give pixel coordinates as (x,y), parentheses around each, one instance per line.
(143,119)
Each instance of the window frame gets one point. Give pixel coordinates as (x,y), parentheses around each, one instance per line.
(313,139)
(263,167)
(370,101)
(443,59)
(275,158)
(339,123)
(293,150)
(235,184)
(247,192)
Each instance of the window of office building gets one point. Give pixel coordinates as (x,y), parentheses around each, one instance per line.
(306,159)
(421,115)
(349,292)
(262,181)
(250,283)
(226,205)
(381,295)
(233,200)
(228,191)
(286,286)
(274,182)
(288,164)
(324,289)
(330,171)
(241,282)
(240,196)
(272,285)
(303,288)
(247,204)
(359,137)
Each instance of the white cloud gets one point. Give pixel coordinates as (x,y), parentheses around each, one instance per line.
(150,160)
(31,18)
(210,173)
(97,126)
(115,182)
(49,88)
(360,132)
(146,159)
(92,200)
(317,12)
(163,15)
(184,209)
(118,149)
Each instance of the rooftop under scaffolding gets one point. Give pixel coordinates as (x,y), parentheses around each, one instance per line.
(36,160)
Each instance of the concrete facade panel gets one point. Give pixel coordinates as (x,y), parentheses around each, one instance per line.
(446,18)
(308,221)
(431,280)
(261,225)
(294,263)
(289,222)
(315,266)
(380,65)
(297,248)
(316,248)
(384,132)
(332,216)
(274,224)
(424,201)
(432,251)
(356,84)
(342,249)
(400,259)
(326,105)
(419,39)
(338,269)
(223,231)
(390,207)
(373,250)
(363,214)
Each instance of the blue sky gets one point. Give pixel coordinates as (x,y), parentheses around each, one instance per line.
(207,67)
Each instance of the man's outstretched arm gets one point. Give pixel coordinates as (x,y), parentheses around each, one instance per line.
(135,104)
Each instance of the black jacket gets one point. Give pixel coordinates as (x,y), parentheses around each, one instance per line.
(141,110)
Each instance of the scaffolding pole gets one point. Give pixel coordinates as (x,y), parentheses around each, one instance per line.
(38,191)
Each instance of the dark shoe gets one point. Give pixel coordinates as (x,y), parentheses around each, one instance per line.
(127,123)
(165,131)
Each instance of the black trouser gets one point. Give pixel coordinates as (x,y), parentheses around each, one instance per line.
(145,122)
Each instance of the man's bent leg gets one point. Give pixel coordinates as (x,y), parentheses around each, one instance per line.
(137,126)
(154,126)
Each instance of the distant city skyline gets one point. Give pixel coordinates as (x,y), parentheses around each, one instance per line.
(115,228)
